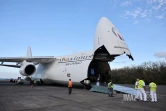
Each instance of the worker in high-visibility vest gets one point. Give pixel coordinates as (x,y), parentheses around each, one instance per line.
(153,88)
(110,88)
(138,94)
(35,82)
(141,88)
(70,85)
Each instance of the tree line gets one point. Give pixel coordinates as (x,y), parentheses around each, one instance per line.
(149,71)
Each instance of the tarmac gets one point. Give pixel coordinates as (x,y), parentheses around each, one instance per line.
(15,97)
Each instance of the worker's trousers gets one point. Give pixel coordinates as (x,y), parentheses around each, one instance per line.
(70,89)
(153,96)
(110,92)
(138,94)
(141,92)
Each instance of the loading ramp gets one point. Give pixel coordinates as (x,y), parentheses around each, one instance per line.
(118,88)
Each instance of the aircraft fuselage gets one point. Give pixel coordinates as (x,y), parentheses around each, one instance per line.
(73,66)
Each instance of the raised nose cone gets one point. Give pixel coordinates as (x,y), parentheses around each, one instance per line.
(109,37)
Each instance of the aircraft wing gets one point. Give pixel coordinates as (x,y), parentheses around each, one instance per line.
(29,58)
(42,59)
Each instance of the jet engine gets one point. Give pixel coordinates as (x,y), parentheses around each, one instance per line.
(27,69)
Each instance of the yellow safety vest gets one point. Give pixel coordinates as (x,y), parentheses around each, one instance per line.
(153,86)
(35,81)
(140,83)
(110,86)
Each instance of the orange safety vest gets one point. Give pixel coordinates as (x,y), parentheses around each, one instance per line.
(70,84)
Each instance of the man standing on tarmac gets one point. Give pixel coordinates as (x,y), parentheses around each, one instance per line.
(141,89)
(138,94)
(35,82)
(153,87)
(31,82)
(70,86)
(110,88)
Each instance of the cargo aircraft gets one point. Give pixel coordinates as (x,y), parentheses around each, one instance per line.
(82,68)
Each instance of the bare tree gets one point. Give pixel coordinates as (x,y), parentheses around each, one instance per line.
(148,70)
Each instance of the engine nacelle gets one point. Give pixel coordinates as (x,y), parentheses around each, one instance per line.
(27,69)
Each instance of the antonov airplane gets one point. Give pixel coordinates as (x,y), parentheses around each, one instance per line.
(82,68)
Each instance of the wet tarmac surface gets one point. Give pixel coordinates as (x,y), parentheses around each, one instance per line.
(52,98)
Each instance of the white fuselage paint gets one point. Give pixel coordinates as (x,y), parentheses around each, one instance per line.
(57,72)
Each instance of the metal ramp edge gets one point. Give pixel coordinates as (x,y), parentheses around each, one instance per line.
(101,89)
(119,88)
